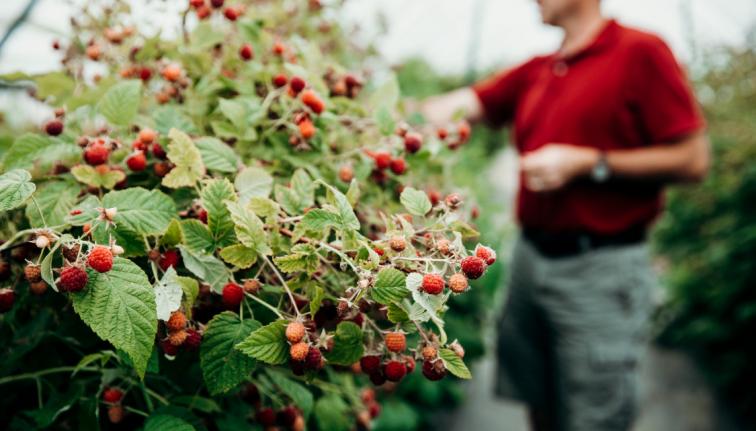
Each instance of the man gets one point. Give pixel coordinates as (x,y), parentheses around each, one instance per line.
(601,125)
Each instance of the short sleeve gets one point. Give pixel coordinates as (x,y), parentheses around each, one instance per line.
(500,93)
(661,94)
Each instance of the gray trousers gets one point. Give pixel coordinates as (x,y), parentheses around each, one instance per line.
(572,332)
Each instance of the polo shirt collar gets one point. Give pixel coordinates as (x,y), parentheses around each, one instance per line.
(603,40)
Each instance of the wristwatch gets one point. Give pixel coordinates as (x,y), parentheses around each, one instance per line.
(601,172)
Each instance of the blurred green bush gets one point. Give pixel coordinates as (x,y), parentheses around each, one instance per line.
(707,237)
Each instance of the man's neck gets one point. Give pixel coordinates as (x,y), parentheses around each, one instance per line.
(580,30)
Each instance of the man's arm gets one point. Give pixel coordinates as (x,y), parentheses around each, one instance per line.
(554,165)
(439,110)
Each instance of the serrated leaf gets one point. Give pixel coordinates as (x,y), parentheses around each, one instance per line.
(120,103)
(239,255)
(162,422)
(299,394)
(55,200)
(206,267)
(214,194)
(267,344)
(46,267)
(92,177)
(216,155)
(197,237)
(251,182)
(303,257)
(205,36)
(119,306)
(317,299)
(416,201)
(454,364)
(224,367)
(249,228)
(188,167)
(146,212)
(353,193)
(318,220)
(467,231)
(347,345)
(190,287)
(172,235)
(396,313)
(168,294)
(332,414)
(263,207)
(346,214)
(389,286)
(30,151)
(15,189)
(169,117)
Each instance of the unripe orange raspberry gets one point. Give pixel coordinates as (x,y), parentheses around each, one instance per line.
(295,332)
(398,243)
(395,342)
(429,353)
(177,338)
(458,283)
(298,351)
(176,322)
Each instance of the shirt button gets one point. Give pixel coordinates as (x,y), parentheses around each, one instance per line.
(560,69)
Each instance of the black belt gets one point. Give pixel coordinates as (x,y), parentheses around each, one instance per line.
(565,244)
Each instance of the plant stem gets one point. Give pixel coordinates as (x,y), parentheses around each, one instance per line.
(268,306)
(285,286)
(41,373)
(39,210)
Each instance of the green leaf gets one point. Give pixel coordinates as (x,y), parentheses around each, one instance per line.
(216,155)
(29,151)
(172,235)
(169,117)
(239,255)
(249,228)
(224,367)
(347,345)
(267,344)
(206,267)
(318,220)
(146,212)
(168,294)
(190,287)
(332,414)
(119,306)
(396,313)
(15,189)
(236,112)
(385,121)
(389,286)
(467,231)
(197,237)
(386,95)
(303,257)
(454,363)
(416,201)
(55,200)
(264,207)
(46,267)
(187,159)
(214,194)
(346,213)
(162,422)
(120,103)
(92,177)
(205,36)
(299,394)
(252,182)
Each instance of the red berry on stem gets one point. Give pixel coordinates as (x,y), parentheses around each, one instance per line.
(398,166)
(112,395)
(433,284)
(96,154)
(370,364)
(473,267)
(396,341)
(394,370)
(312,101)
(100,259)
(266,417)
(297,84)
(170,258)
(137,162)
(231,13)
(193,339)
(246,52)
(485,253)
(413,142)
(158,151)
(54,127)
(233,294)
(7,298)
(72,279)
(382,160)
(280,80)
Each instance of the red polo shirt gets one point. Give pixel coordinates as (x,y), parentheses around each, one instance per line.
(625,90)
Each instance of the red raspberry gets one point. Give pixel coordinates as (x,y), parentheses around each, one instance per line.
(485,253)
(378,378)
(7,298)
(394,370)
(409,361)
(233,294)
(145,74)
(312,101)
(413,142)
(434,371)
(458,283)
(266,417)
(33,273)
(168,348)
(137,162)
(442,133)
(170,258)
(375,410)
(100,259)
(96,154)
(38,288)
(433,284)
(473,267)
(115,414)
(231,13)
(297,84)
(280,80)
(72,279)
(158,151)
(314,360)
(295,331)
(202,215)
(147,136)
(112,395)
(286,416)
(382,160)
(162,169)
(370,364)
(176,322)
(217,4)
(307,129)
(463,130)
(246,52)
(299,351)
(54,127)
(193,339)
(395,342)
(398,166)
(346,173)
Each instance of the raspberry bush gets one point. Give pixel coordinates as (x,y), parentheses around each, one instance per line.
(239,216)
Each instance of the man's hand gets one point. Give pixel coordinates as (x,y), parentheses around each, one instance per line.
(554,165)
